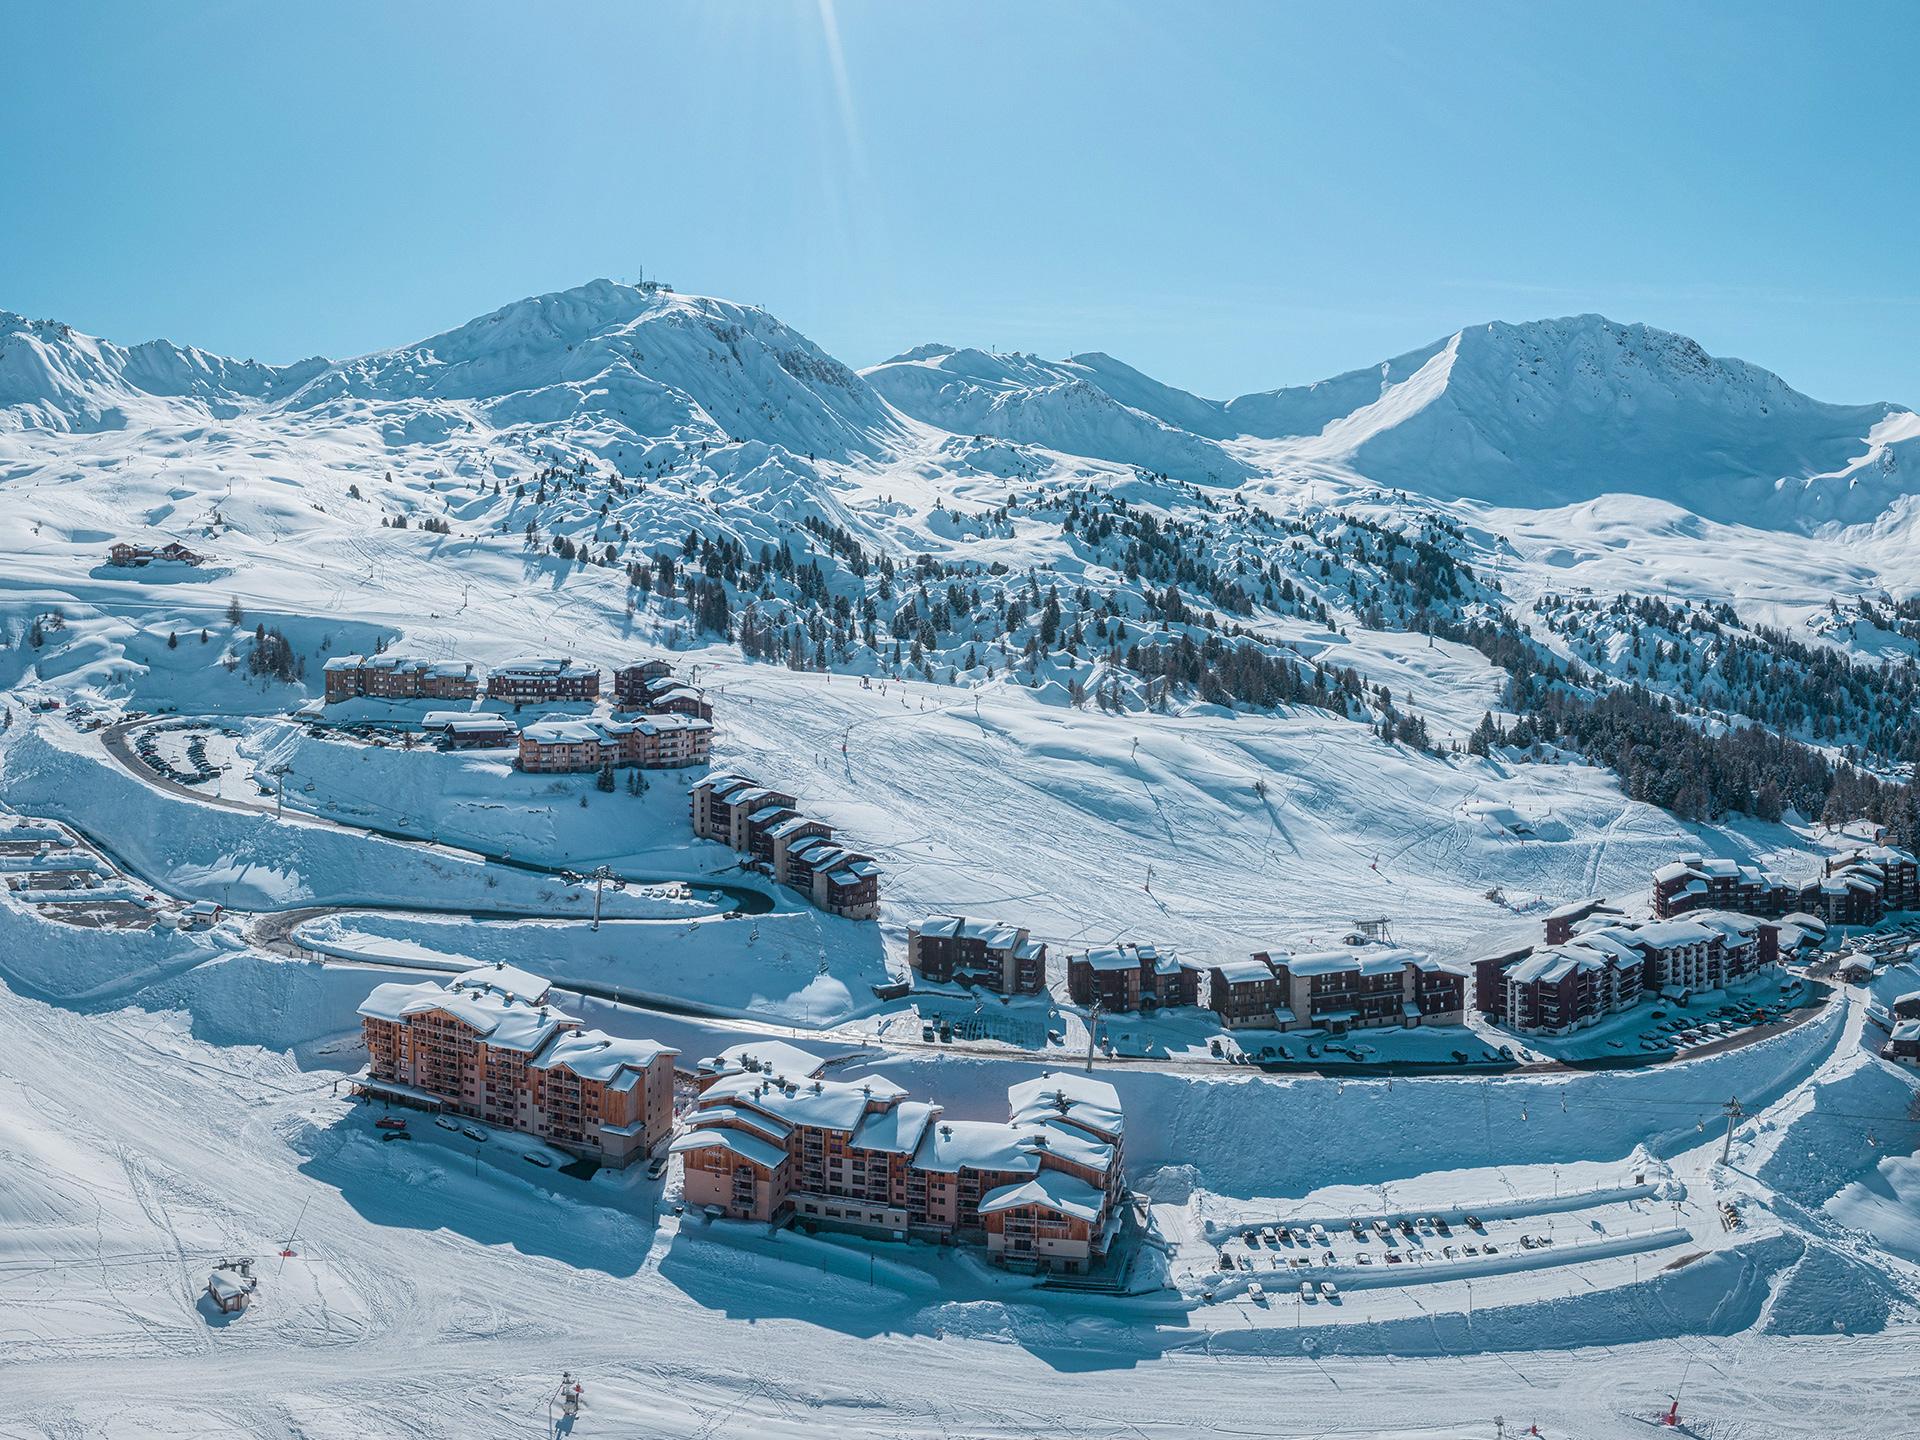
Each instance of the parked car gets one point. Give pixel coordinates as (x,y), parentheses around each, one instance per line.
(391,1122)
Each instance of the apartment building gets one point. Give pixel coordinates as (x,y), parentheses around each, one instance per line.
(1605,968)
(1857,888)
(797,851)
(398,677)
(1343,988)
(652,689)
(1248,995)
(543,679)
(491,1046)
(1127,977)
(1043,1190)
(953,950)
(565,745)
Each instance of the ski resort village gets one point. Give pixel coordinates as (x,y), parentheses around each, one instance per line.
(607,873)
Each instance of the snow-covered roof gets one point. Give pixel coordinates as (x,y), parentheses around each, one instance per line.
(895,1130)
(595,1055)
(1667,934)
(1129,956)
(1252,970)
(791,824)
(566,732)
(824,1104)
(227,1286)
(1053,1190)
(1359,959)
(957,927)
(668,724)
(772,1126)
(1064,1095)
(499,1018)
(774,1056)
(536,666)
(952,1145)
(1906,1030)
(749,1147)
(508,980)
(1068,1142)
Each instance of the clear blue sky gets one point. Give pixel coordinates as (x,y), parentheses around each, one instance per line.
(1231,196)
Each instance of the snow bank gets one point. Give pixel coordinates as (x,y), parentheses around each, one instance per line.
(1260,1136)
(803,968)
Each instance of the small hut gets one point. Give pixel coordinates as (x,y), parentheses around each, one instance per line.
(231,1286)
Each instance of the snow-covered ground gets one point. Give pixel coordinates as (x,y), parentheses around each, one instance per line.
(170,1097)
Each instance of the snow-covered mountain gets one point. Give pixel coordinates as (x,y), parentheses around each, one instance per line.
(1558,412)
(647,361)
(1522,416)
(53,377)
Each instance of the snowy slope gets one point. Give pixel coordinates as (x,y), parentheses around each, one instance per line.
(1558,411)
(1090,405)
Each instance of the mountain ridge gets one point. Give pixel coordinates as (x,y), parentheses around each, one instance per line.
(1535,414)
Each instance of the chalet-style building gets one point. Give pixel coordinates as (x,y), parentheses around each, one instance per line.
(1604,968)
(1042,1191)
(651,689)
(469,729)
(564,745)
(399,677)
(490,1046)
(543,679)
(1903,1043)
(1857,888)
(122,552)
(798,852)
(1345,988)
(952,950)
(1906,1007)
(1126,977)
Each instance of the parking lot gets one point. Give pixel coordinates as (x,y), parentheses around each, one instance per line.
(1320,1260)
(183,750)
